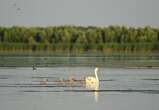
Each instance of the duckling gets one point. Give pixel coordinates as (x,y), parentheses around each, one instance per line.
(71,80)
(61,81)
(82,80)
(44,82)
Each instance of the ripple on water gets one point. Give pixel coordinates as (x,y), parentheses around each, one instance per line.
(120,91)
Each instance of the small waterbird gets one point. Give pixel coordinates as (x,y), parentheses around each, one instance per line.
(33,66)
(44,81)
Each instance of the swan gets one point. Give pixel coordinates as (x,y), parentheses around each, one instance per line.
(92,82)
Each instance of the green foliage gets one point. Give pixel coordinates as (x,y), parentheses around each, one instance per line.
(79,39)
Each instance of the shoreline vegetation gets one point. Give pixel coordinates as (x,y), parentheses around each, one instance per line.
(78,40)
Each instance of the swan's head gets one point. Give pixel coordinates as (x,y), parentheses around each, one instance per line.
(96,69)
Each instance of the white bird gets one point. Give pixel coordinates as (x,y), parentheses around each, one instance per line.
(92,82)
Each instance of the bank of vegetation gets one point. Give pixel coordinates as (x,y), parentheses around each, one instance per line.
(78,39)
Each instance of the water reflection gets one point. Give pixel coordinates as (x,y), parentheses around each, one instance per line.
(96,94)
(148,61)
(93,88)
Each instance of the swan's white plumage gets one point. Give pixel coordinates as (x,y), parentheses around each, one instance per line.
(92,82)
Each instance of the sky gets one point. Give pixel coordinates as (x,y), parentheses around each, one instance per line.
(102,13)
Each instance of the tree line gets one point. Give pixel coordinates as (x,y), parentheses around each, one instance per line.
(79,39)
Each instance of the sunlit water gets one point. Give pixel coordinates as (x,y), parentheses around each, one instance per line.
(120,89)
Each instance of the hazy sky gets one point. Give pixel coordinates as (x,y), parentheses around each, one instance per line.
(79,12)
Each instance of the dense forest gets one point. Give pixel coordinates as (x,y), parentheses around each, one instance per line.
(79,39)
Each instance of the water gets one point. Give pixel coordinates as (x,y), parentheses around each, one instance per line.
(120,61)
(120,89)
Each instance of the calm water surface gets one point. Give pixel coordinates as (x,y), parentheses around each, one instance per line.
(120,89)
(99,60)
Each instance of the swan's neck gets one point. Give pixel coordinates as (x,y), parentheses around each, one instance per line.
(96,75)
